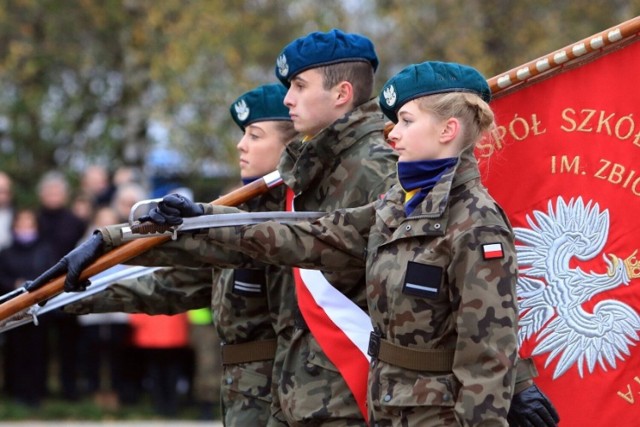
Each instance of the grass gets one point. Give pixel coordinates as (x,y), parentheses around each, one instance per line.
(87,410)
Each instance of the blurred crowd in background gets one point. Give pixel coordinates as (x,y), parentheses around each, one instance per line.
(114,358)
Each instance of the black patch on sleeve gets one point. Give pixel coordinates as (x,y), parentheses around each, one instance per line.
(249,282)
(422,280)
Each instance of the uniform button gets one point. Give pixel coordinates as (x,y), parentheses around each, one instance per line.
(387,398)
(408,227)
(446,398)
(436,226)
(229,380)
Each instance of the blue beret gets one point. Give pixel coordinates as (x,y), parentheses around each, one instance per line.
(430,78)
(260,104)
(318,49)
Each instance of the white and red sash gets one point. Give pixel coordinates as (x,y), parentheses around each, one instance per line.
(341,328)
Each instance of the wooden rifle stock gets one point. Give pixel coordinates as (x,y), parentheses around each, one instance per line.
(129,250)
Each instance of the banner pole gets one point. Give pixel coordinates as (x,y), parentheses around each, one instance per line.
(558,59)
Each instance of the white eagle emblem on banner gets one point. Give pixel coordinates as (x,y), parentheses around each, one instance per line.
(551,292)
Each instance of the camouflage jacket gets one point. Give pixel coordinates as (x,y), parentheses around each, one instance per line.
(242,314)
(164,291)
(428,287)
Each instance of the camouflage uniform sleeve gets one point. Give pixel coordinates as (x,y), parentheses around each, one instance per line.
(112,234)
(525,373)
(189,250)
(164,291)
(335,242)
(485,311)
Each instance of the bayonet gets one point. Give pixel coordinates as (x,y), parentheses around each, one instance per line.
(138,230)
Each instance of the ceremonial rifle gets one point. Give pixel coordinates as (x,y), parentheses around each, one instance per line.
(23,298)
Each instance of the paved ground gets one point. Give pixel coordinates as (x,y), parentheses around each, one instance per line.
(112,424)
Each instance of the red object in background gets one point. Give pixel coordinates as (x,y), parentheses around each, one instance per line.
(567,173)
(160,331)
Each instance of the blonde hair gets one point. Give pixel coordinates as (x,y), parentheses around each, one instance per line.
(475,114)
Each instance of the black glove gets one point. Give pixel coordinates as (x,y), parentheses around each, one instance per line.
(531,408)
(171,209)
(72,263)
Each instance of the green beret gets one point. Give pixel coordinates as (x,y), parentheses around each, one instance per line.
(430,78)
(261,104)
(318,49)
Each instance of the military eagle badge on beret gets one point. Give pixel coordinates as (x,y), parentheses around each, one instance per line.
(390,96)
(283,66)
(242,110)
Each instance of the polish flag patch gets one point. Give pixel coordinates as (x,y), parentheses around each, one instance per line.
(492,251)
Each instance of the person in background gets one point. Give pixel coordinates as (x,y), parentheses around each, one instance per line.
(95,184)
(83,207)
(26,354)
(63,230)
(105,350)
(207,369)
(6,209)
(162,341)
(127,174)
(125,196)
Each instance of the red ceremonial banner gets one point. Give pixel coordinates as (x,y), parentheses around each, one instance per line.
(567,173)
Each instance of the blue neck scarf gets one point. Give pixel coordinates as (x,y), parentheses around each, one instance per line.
(420,177)
(246,181)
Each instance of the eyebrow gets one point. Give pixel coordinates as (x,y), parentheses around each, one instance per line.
(254,127)
(298,79)
(404,113)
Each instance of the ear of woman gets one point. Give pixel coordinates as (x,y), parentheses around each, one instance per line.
(450,131)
